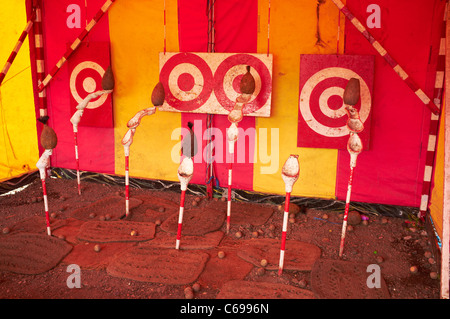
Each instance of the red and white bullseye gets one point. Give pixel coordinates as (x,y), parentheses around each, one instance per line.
(330,103)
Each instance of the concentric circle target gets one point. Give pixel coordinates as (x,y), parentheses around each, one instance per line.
(227,79)
(187,80)
(321,103)
(86,78)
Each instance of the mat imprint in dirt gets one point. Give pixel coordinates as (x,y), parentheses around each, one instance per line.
(241,289)
(298,255)
(30,254)
(112,208)
(196,222)
(166,266)
(116,231)
(339,279)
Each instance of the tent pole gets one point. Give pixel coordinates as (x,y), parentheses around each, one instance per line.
(446,204)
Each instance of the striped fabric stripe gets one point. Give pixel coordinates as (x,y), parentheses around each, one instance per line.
(39,54)
(434,123)
(75,44)
(379,48)
(16,49)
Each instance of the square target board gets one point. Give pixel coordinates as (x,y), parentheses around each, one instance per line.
(209,82)
(86,69)
(322,116)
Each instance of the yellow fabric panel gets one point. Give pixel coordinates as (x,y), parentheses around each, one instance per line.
(18,136)
(437,193)
(137,37)
(293,26)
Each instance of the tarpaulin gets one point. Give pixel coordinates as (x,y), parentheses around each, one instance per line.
(391,172)
(236,31)
(95,144)
(18,136)
(296,27)
(138,34)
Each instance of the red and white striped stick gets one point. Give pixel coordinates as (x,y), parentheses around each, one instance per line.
(232,136)
(127,180)
(289,173)
(126,142)
(16,49)
(75,136)
(75,120)
(230,176)
(382,51)
(75,44)
(185,173)
(434,122)
(39,57)
(42,165)
(354,147)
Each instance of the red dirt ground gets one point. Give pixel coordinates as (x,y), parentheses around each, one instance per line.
(401,245)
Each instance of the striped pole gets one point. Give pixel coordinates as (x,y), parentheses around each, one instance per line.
(354,147)
(75,119)
(230,173)
(289,173)
(284,232)
(232,136)
(434,123)
(185,173)
(75,134)
(180,219)
(42,165)
(75,44)
(382,51)
(127,180)
(127,140)
(16,49)
(39,57)
(347,206)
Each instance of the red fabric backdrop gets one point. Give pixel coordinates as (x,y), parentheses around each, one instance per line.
(391,172)
(236,32)
(96,145)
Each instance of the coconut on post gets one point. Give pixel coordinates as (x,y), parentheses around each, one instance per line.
(108,84)
(48,140)
(157,99)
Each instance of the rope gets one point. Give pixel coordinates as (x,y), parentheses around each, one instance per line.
(165,32)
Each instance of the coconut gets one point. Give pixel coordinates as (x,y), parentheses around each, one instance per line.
(354,217)
(158,95)
(108,80)
(49,140)
(352,92)
(247,85)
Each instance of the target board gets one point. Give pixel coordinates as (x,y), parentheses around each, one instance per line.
(209,82)
(86,69)
(322,116)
